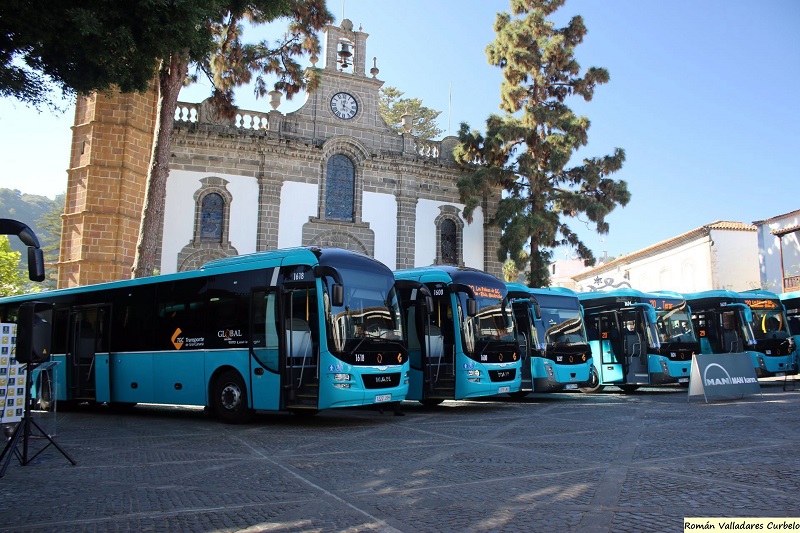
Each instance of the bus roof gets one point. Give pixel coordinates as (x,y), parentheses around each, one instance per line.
(448,274)
(612,295)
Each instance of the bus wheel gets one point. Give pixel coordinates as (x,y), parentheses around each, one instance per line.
(431,402)
(593,385)
(628,388)
(230,398)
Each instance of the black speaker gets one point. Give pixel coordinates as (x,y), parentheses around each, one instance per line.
(34,332)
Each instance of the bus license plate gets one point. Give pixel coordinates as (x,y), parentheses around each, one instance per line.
(683,380)
(503,389)
(383,398)
(571,386)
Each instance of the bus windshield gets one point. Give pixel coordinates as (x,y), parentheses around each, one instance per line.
(674,324)
(491,324)
(560,323)
(769,320)
(370,310)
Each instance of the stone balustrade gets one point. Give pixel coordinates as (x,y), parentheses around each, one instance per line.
(203,113)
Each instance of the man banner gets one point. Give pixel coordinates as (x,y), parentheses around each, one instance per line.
(722,377)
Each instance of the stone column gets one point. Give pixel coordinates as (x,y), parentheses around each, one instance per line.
(269,212)
(406,229)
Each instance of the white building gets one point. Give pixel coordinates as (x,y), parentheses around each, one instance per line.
(720,255)
(779,252)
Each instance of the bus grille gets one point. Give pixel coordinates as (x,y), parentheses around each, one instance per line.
(503,375)
(381,381)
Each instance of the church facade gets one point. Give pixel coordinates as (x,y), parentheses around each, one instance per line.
(331,173)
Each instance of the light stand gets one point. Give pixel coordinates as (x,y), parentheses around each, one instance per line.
(23,432)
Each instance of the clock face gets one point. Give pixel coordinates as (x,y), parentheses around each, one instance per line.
(344,106)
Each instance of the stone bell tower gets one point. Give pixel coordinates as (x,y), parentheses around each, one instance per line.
(112,140)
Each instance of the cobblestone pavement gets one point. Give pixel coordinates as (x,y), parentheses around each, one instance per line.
(561,462)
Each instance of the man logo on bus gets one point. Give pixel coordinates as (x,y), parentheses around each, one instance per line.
(176,340)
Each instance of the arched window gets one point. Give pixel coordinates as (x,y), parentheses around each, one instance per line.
(449,236)
(449,242)
(339,188)
(212,213)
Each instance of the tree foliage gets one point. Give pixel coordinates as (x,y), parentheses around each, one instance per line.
(528,151)
(392,106)
(11,282)
(82,46)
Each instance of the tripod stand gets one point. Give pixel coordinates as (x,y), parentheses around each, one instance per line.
(23,432)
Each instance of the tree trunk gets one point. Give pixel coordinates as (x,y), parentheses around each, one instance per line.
(170,80)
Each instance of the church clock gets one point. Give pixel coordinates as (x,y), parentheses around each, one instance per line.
(344,106)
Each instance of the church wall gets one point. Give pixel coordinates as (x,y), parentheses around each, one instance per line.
(180,214)
(298,204)
(380,212)
(425,237)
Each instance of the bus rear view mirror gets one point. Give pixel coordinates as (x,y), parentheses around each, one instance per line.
(337,295)
(429,303)
(472,307)
(35,264)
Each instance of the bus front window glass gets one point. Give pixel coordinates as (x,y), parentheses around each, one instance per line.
(492,323)
(564,326)
(371,309)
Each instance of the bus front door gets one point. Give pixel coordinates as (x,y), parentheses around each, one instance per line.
(300,361)
(611,357)
(635,350)
(88,344)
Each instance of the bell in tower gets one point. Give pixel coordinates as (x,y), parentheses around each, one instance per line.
(345,49)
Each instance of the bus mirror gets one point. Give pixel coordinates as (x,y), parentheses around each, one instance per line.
(34,332)
(537,309)
(472,307)
(429,303)
(35,264)
(337,295)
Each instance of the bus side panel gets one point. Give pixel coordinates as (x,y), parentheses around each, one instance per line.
(415,384)
(266,389)
(102,378)
(132,377)
(179,378)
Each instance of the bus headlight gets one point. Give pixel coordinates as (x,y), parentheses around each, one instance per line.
(341,377)
(474,373)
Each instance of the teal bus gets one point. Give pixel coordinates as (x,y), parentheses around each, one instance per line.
(638,338)
(460,334)
(300,330)
(774,342)
(727,322)
(552,337)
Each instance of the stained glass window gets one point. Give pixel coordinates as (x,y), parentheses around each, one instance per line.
(449,242)
(339,188)
(212,210)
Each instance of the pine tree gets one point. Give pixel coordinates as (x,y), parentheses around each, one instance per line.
(392,106)
(528,151)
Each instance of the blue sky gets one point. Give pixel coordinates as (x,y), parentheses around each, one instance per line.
(703,97)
